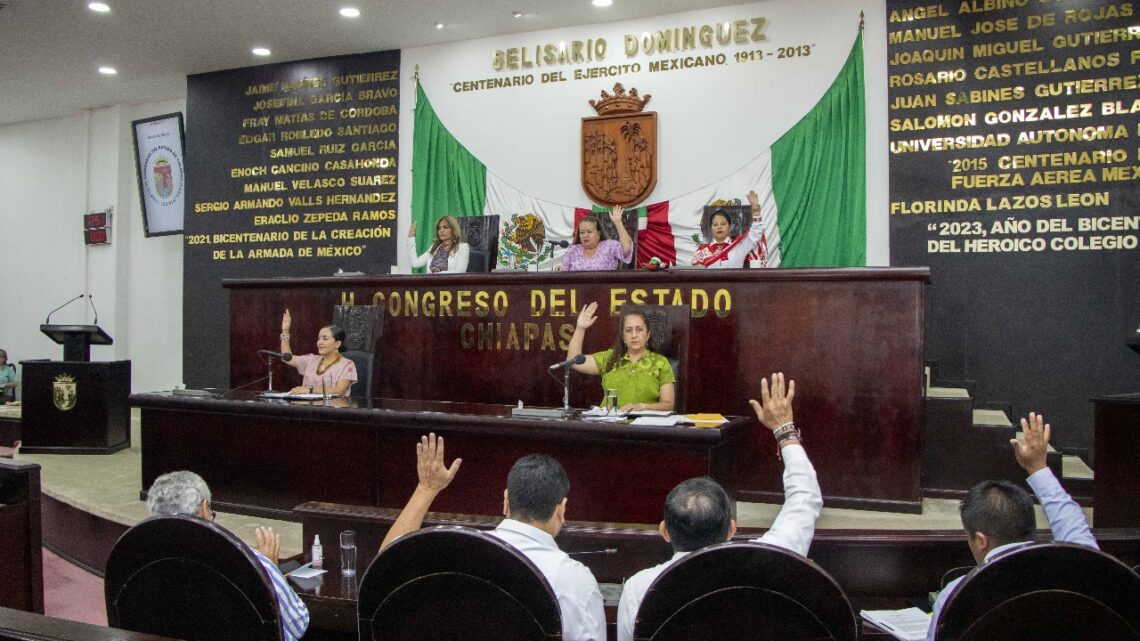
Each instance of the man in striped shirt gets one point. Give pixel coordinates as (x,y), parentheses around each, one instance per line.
(184,493)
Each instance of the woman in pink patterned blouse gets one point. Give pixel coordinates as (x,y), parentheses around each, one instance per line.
(592,251)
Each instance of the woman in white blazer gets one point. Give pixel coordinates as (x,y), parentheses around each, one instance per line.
(447,254)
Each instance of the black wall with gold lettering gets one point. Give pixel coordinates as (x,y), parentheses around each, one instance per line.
(291,172)
(1014,161)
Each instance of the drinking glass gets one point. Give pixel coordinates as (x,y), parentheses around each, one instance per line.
(348,553)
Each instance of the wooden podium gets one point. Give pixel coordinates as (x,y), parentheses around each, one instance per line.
(75,406)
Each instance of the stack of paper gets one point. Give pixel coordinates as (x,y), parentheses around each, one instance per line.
(706,420)
(910,624)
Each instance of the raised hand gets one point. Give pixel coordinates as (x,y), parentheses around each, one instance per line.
(753,199)
(775,407)
(615,215)
(588,316)
(268,543)
(412,231)
(286,321)
(433,474)
(1031,451)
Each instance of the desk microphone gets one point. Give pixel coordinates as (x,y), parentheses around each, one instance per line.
(559,243)
(577,360)
(61,307)
(285,356)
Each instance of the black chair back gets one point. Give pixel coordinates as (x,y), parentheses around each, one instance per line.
(190,579)
(1053,592)
(745,591)
(482,234)
(363,328)
(455,583)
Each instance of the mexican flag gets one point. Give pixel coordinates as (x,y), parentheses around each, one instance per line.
(811,183)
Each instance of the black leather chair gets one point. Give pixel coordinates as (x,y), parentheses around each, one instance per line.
(187,578)
(482,234)
(745,591)
(363,327)
(1052,592)
(450,583)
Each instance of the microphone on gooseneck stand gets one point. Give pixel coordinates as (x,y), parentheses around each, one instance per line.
(46,320)
(577,360)
(285,356)
(91,301)
(559,243)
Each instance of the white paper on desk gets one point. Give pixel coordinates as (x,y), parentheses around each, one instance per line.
(908,624)
(308,397)
(270,394)
(307,571)
(596,413)
(651,413)
(658,421)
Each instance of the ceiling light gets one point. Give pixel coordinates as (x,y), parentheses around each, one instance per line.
(99,7)
(517,14)
(261,51)
(350,12)
(107,71)
(439,25)
(601,3)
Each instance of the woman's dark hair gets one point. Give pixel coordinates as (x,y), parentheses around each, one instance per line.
(593,218)
(337,334)
(619,344)
(723,213)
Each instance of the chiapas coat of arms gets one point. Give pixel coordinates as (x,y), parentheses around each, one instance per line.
(619,149)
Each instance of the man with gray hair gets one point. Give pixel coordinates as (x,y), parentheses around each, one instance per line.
(184,493)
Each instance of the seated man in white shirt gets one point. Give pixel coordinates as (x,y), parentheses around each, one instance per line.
(535,506)
(698,512)
(998,515)
(185,493)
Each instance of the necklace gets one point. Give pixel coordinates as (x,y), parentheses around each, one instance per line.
(325,368)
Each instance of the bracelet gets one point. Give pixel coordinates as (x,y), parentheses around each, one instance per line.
(284,337)
(785,428)
(793,435)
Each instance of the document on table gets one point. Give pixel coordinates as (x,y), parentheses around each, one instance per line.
(659,421)
(909,624)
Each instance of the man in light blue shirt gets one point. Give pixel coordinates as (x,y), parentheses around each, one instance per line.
(998,515)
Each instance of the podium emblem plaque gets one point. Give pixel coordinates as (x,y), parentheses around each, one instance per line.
(63,392)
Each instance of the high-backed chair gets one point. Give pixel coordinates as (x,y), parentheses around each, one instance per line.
(187,578)
(745,591)
(482,234)
(1055,591)
(669,336)
(455,583)
(629,220)
(363,327)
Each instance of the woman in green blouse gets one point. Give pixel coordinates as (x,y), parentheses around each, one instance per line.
(643,378)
